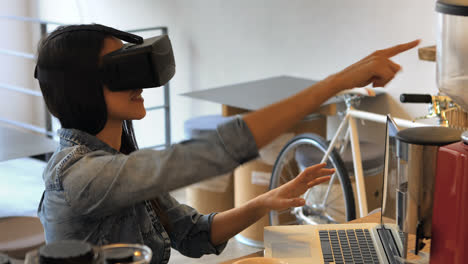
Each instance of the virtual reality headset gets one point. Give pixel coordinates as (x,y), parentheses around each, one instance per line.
(140,63)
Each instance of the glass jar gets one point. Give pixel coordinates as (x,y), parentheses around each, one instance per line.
(452,50)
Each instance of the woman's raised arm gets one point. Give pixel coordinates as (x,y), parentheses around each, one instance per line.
(377,68)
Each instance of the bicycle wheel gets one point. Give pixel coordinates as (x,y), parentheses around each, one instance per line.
(337,207)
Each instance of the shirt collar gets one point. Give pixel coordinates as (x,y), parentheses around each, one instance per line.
(71,136)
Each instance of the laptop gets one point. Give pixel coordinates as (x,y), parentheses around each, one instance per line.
(344,243)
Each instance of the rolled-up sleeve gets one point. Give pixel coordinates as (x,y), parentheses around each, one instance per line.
(238,140)
(99,182)
(190,231)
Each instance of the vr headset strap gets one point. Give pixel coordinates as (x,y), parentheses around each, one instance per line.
(125,36)
(58,74)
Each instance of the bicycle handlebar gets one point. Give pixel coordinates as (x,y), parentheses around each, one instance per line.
(416,98)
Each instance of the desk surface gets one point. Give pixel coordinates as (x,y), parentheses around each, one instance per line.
(256,94)
(373,218)
(15,143)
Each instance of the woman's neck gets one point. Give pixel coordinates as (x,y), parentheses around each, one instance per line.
(111,134)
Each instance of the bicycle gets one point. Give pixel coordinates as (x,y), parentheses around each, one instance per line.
(331,203)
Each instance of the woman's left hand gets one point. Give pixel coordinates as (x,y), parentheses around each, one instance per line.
(227,224)
(288,195)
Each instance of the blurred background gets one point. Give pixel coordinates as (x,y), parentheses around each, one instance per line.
(224,42)
(215,43)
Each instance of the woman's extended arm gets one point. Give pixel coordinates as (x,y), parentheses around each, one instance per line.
(271,121)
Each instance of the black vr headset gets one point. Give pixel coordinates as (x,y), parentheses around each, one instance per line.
(141,63)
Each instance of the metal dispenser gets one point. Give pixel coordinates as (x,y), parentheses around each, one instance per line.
(417,150)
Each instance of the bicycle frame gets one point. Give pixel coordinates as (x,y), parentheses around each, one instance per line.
(352,136)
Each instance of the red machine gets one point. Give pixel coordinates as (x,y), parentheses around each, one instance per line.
(450,212)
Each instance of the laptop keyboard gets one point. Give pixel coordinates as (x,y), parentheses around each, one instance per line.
(348,246)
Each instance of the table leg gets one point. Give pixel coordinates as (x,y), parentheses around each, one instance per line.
(231,110)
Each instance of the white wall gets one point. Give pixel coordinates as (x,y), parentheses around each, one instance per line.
(18,36)
(224,42)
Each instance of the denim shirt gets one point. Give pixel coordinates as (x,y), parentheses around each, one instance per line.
(97,194)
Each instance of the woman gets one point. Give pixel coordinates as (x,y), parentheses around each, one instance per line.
(100,188)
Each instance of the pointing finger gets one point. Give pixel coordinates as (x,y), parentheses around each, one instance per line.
(395,50)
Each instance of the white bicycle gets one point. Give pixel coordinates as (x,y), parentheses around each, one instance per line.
(333,202)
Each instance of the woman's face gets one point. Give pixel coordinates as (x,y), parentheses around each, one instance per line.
(121,105)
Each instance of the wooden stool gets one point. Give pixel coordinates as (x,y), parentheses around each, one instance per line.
(20,234)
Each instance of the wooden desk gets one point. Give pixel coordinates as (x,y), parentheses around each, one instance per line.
(15,143)
(374,218)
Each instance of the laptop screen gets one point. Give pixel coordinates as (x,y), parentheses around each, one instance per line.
(390,240)
(389,184)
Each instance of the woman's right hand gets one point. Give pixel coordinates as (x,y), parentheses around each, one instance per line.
(377,68)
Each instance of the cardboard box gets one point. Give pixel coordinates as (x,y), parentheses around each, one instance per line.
(208,200)
(246,188)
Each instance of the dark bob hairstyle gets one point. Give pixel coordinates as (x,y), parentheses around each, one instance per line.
(77,99)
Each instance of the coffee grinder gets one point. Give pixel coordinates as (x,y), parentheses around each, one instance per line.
(450,211)
(452,50)
(432,174)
